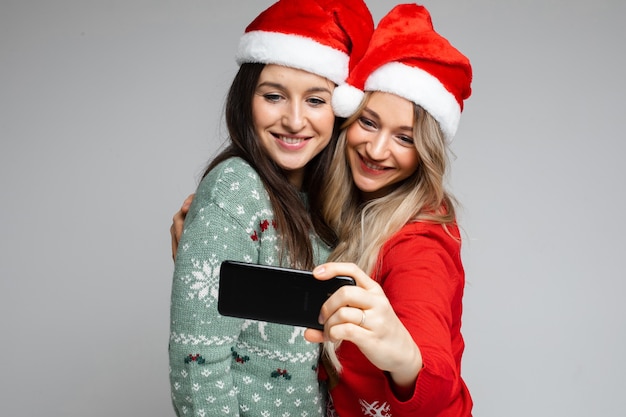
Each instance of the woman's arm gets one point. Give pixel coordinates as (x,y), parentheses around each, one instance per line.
(422,276)
(408,325)
(364,316)
(201,340)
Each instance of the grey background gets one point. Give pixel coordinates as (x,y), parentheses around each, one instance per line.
(110,109)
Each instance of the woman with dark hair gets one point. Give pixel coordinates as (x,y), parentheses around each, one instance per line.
(253,205)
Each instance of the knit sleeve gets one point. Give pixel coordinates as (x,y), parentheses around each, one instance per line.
(201,340)
(423,279)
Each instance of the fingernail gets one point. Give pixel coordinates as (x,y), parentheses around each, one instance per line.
(319,270)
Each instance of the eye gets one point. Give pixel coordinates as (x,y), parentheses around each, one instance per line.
(316,101)
(367,123)
(272,97)
(406,140)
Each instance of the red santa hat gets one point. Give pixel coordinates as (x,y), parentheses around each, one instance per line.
(408,58)
(325,37)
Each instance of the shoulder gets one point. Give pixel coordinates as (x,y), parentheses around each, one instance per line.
(422,244)
(232,191)
(231,174)
(423,258)
(233,181)
(417,234)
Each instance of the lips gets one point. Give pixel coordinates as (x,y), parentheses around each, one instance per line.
(291,143)
(290,140)
(371,167)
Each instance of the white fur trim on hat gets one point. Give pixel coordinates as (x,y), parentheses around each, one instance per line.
(293,51)
(346,100)
(420,87)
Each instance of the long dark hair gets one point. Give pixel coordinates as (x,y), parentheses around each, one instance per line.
(295,221)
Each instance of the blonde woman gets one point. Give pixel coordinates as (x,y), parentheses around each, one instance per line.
(400,327)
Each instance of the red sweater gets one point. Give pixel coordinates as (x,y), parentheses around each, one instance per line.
(422,275)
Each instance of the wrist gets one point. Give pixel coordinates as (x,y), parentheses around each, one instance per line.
(403,379)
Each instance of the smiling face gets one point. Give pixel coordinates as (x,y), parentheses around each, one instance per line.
(380,145)
(292,116)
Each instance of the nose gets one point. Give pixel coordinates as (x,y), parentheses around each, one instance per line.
(378,147)
(294,118)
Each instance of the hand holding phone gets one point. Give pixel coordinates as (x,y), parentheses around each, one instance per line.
(274,294)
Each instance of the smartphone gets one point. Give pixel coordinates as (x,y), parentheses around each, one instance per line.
(274,294)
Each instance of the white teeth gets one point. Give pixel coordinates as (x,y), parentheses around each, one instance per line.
(372,166)
(291,141)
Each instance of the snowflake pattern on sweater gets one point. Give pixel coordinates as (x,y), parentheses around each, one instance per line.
(225,366)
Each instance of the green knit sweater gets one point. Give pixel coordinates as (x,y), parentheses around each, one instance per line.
(224,366)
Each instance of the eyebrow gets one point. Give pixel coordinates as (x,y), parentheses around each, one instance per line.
(282,87)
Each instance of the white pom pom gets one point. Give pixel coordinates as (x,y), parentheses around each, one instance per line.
(346,100)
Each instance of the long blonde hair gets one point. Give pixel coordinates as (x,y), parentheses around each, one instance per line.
(363,227)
